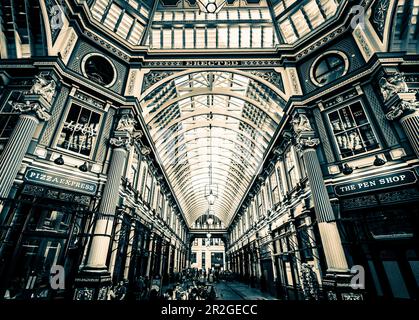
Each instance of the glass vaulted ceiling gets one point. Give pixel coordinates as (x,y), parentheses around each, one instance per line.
(241,24)
(215,118)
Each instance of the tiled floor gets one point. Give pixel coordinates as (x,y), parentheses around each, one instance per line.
(239,291)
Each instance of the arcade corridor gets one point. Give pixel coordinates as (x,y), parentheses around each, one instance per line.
(263,149)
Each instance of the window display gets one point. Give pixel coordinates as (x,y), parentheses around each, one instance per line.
(80,131)
(352,131)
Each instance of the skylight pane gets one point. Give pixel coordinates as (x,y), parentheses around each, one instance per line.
(313,12)
(178,38)
(125,25)
(268,37)
(179,16)
(255,14)
(256,37)
(244,14)
(245,37)
(288,32)
(136,33)
(189,38)
(233,14)
(265,14)
(167,38)
(189,15)
(212,37)
(222,37)
(300,23)
(156,38)
(99,9)
(234,36)
(222,15)
(113,16)
(329,7)
(200,38)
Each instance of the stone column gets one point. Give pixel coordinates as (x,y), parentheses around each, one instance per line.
(330,237)
(115,244)
(99,248)
(405,110)
(150,254)
(33,110)
(94,278)
(169,257)
(131,239)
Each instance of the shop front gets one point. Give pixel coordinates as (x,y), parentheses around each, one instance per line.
(380,224)
(46,231)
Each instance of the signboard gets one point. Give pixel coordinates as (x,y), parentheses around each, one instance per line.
(376,183)
(57,180)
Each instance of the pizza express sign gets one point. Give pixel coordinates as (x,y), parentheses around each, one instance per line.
(55,180)
(376,183)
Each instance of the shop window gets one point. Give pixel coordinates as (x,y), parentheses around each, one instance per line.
(352,131)
(141,183)
(134,170)
(291,169)
(305,244)
(260,204)
(217,259)
(274,187)
(193,257)
(147,189)
(49,220)
(80,130)
(203,261)
(329,67)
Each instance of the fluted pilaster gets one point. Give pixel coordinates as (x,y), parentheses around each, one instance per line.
(103,229)
(12,156)
(407,112)
(331,241)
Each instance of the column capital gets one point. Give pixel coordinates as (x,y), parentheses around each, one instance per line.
(34,108)
(309,142)
(403,108)
(123,142)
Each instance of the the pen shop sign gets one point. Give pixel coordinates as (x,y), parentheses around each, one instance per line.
(376,183)
(56,180)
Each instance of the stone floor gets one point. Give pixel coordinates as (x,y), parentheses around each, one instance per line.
(239,291)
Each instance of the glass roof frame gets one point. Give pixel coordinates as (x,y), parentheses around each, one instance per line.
(188,116)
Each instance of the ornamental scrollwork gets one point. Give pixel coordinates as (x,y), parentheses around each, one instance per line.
(154,77)
(145,151)
(307,143)
(45,88)
(301,123)
(402,108)
(392,85)
(32,107)
(126,124)
(378,18)
(120,142)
